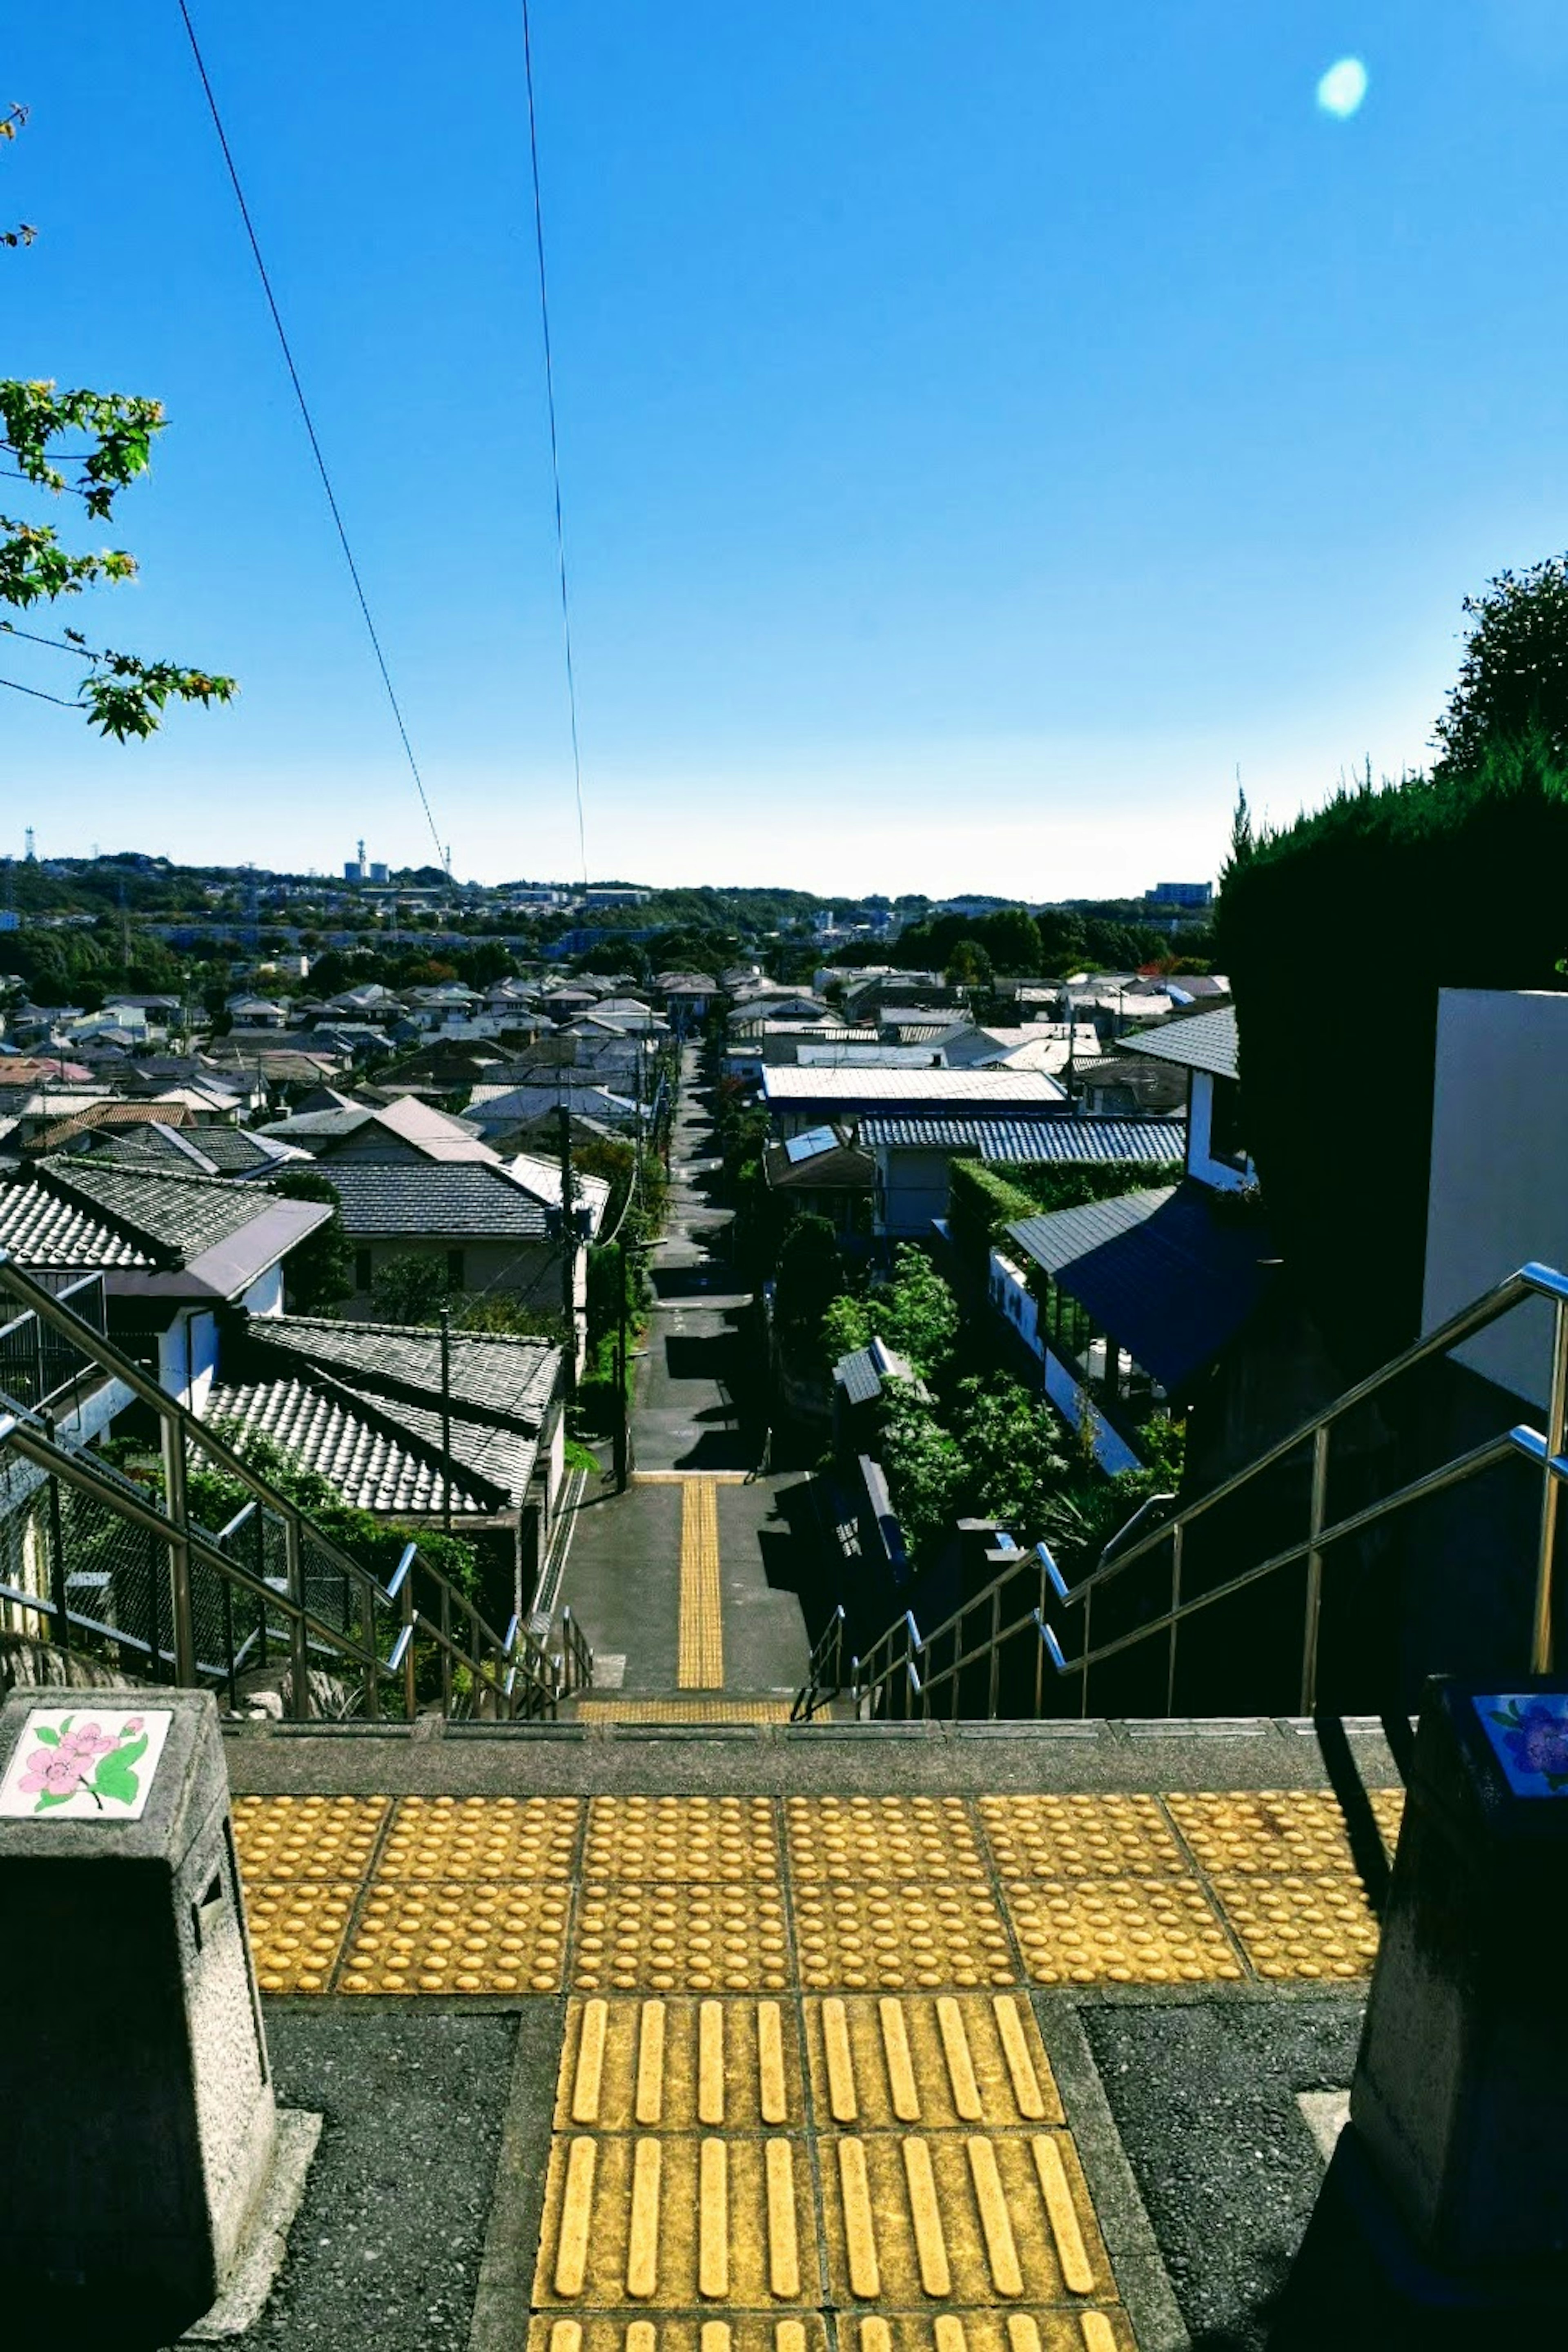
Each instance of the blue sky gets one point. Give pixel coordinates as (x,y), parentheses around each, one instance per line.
(982,429)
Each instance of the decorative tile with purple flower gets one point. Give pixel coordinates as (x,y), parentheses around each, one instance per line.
(1528,1732)
(84,1763)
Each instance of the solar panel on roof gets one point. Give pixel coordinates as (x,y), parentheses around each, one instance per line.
(807,1146)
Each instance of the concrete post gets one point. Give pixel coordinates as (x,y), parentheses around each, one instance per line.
(1457,2149)
(137,2123)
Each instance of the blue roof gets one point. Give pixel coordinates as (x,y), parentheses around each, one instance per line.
(1170,1279)
(1038,1142)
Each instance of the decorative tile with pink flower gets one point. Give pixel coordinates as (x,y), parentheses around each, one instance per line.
(1529,1733)
(84,1763)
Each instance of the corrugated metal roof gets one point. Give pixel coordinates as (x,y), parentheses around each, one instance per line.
(1166,1278)
(1007,1088)
(1200,1041)
(1036,1142)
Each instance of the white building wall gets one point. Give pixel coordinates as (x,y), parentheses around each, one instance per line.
(1219,1175)
(1498,1185)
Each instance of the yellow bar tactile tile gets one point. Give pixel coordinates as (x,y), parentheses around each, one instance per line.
(1264,1829)
(943,2062)
(1087,2329)
(297,1929)
(306,1837)
(458,1937)
(1119,1931)
(882,1837)
(700,1661)
(746,2332)
(1291,1924)
(1082,1837)
(915,2221)
(682,1837)
(482,1838)
(677,2224)
(680,2064)
(695,1709)
(669,1936)
(899,1935)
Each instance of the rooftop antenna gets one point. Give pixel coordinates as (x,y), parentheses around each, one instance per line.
(32,855)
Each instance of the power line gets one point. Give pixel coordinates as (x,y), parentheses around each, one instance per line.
(309,426)
(554,443)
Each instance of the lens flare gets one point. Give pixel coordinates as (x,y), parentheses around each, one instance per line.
(1342,89)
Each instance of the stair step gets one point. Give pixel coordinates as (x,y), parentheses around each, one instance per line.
(683,1707)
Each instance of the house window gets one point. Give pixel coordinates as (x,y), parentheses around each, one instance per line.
(454,1269)
(362,1269)
(1225,1135)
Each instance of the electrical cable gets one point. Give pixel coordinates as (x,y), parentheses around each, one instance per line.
(554,442)
(310,427)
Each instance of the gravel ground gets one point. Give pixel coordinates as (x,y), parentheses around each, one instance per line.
(386,2250)
(1204,2100)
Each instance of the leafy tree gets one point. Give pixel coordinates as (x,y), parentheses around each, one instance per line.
(319,1272)
(810,1275)
(1513,678)
(1010,1442)
(1063,946)
(925,1468)
(846,1328)
(917,1314)
(88,446)
(1011,939)
(969,966)
(411,1288)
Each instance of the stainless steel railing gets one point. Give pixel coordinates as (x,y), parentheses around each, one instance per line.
(1029,1617)
(824,1670)
(207,1607)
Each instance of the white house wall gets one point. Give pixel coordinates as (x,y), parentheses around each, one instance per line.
(1220,1175)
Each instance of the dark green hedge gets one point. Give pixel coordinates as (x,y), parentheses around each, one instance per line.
(1337,935)
(983,1199)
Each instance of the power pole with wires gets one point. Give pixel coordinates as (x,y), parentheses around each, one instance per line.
(568,1249)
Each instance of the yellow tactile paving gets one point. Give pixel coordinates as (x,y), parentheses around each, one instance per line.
(699,1663)
(680,2064)
(882,1837)
(481,1837)
(671,1936)
(746,2332)
(677,2222)
(915,2221)
(456,1936)
(1084,2330)
(943,2062)
(297,1929)
(1264,1829)
(307,1837)
(899,1935)
(1119,1931)
(681,1837)
(1082,1837)
(1388,1811)
(714,1709)
(1294,1924)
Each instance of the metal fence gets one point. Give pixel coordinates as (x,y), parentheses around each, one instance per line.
(122,1569)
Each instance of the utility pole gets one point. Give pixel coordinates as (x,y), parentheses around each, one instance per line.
(622,1434)
(568,1250)
(446,1419)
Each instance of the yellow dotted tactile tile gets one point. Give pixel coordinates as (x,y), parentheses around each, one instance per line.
(1388,1811)
(1082,1837)
(667,1935)
(745,2332)
(899,1935)
(882,1837)
(914,2221)
(306,1837)
(700,1656)
(682,1710)
(481,1837)
(296,1930)
(1119,1931)
(943,2062)
(681,1837)
(455,1937)
(680,2064)
(1265,1830)
(1083,2330)
(677,2223)
(1292,1925)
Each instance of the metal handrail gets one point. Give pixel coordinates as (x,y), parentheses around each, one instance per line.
(822,1686)
(885,1663)
(509,1673)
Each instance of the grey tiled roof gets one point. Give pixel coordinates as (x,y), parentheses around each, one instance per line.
(1196,1041)
(434,1198)
(510,1379)
(1037,1142)
(381,1457)
(91,1213)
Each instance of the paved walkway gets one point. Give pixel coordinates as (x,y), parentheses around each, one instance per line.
(689,1581)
